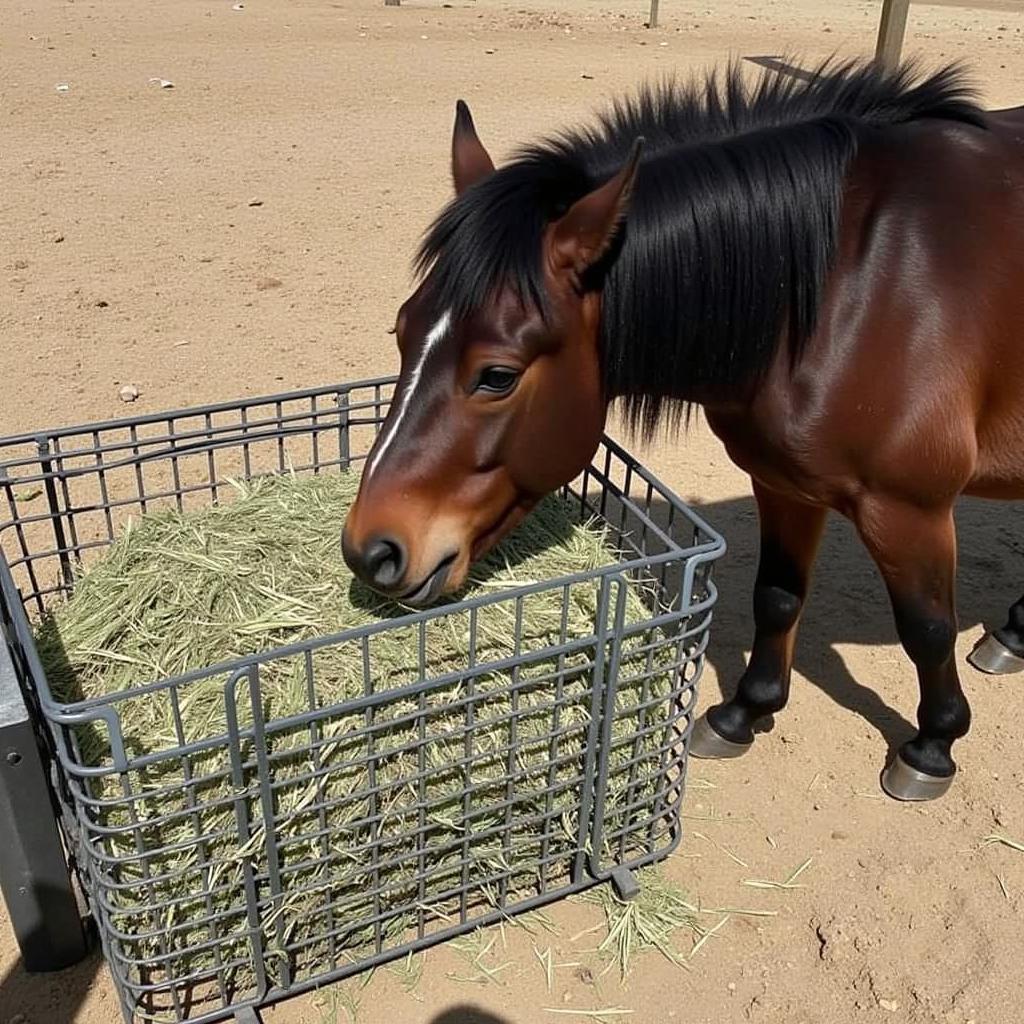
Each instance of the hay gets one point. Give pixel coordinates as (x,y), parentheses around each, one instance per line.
(384,823)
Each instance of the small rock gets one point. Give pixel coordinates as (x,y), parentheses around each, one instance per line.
(588,77)
(21,264)
(62,87)
(238,7)
(58,238)
(164,83)
(102,303)
(255,202)
(889,1005)
(489,50)
(266,283)
(839,834)
(731,986)
(128,393)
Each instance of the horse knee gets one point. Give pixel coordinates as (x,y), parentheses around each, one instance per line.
(776,609)
(928,641)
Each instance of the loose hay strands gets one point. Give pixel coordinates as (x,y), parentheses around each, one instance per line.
(180,591)
(646,922)
(995,839)
(789,883)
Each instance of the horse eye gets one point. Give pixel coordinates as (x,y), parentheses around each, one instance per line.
(498,380)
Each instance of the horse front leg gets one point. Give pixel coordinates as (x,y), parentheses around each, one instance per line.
(915,549)
(790,535)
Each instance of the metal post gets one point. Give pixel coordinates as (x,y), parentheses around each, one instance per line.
(891,30)
(652,21)
(34,875)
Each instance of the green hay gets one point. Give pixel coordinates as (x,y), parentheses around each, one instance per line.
(459,781)
(649,921)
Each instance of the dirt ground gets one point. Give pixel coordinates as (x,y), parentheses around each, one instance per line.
(250,230)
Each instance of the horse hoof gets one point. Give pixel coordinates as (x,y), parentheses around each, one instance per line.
(994,658)
(902,782)
(708,744)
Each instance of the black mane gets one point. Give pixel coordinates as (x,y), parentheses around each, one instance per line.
(731,228)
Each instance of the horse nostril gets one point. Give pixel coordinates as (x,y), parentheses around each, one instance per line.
(384,561)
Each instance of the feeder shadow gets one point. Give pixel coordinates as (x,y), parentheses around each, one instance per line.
(848,604)
(467,1015)
(55,996)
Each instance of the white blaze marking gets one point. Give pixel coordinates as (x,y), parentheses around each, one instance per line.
(434,336)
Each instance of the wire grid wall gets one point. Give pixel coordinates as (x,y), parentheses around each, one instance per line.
(263,847)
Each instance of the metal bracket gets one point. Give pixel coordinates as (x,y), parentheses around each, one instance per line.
(625,884)
(34,875)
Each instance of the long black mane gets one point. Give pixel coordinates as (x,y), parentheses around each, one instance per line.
(731,227)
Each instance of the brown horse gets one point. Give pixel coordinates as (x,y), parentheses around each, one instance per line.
(833,269)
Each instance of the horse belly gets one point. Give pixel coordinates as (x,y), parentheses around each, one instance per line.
(999,471)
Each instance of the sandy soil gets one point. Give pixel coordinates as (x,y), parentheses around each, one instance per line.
(133,252)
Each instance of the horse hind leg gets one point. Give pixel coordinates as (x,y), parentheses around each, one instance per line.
(915,550)
(1001,652)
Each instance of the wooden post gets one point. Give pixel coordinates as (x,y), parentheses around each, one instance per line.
(891,31)
(652,21)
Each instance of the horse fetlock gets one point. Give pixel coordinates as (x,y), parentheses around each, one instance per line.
(762,695)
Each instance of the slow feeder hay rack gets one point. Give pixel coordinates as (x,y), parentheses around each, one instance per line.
(315,844)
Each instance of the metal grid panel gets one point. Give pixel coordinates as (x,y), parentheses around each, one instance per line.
(526,773)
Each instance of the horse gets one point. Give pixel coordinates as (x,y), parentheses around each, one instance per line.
(831,269)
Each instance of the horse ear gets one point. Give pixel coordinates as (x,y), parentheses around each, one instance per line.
(583,234)
(470,161)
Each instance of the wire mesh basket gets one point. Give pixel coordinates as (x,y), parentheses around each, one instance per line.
(519,777)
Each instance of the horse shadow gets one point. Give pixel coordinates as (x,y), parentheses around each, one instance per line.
(848,603)
(467,1014)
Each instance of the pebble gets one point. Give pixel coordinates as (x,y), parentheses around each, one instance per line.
(889,1005)
(488,50)
(255,202)
(58,238)
(128,393)
(839,834)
